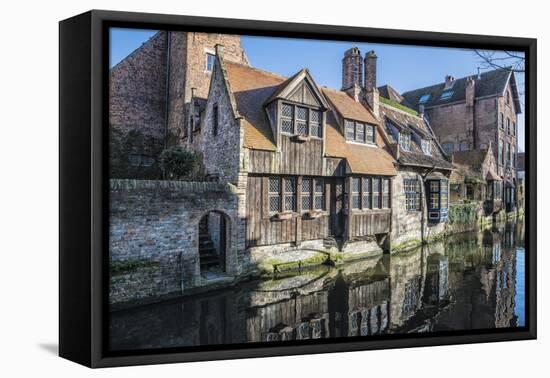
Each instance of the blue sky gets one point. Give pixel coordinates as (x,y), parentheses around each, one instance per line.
(403,67)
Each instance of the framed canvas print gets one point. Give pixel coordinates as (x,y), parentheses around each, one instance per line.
(234,188)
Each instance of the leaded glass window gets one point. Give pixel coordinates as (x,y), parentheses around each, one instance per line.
(366,193)
(355,192)
(385,193)
(319,194)
(287,119)
(360,132)
(369,133)
(274,194)
(301,120)
(350,129)
(412,194)
(375,193)
(315,121)
(306,194)
(289,193)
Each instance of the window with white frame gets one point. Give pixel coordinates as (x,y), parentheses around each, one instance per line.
(210,59)
(426,146)
(405,140)
(412,194)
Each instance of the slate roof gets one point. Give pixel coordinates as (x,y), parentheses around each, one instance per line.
(490,83)
(405,121)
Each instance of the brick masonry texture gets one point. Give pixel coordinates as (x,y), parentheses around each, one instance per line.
(156,223)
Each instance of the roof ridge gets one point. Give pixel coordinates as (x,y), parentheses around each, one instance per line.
(507,68)
(258,69)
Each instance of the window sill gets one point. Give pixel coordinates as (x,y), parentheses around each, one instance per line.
(301,138)
(314,214)
(366,211)
(278,217)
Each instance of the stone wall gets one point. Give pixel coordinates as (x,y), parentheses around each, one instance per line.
(137,110)
(153,235)
(221,150)
(407,225)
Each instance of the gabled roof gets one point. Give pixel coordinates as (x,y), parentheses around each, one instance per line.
(252,88)
(469,165)
(361,159)
(473,158)
(390,93)
(347,107)
(287,87)
(414,124)
(490,83)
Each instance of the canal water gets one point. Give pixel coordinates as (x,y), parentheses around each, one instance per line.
(470,281)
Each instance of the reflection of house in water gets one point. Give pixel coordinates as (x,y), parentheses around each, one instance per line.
(468,283)
(345,304)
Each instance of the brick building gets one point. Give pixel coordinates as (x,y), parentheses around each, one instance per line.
(473,112)
(150,93)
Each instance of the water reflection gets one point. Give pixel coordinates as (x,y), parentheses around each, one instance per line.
(473,281)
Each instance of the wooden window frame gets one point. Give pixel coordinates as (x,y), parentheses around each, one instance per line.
(370,199)
(295,120)
(282,194)
(355,123)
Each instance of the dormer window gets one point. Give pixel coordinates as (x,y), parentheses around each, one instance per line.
(301,120)
(445,95)
(426,145)
(359,131)
(405,141)
(424,98)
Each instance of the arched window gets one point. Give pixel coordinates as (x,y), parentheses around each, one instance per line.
(448,147)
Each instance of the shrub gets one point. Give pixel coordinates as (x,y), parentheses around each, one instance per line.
(463,213)
(178,163)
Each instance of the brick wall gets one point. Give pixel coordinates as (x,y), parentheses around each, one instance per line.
(154,233)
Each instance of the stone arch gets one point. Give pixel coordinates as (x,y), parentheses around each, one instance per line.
(214,230)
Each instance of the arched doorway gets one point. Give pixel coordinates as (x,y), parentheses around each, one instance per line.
(213,242)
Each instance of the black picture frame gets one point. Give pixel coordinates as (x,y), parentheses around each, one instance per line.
(83,166)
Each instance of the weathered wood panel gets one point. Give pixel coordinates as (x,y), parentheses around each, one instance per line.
(370,222)
(293,159)
(262,230)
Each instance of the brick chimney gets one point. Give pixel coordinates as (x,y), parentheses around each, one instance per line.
(470,110)
(449,81)
(352,69)
(470,91)
(371,92)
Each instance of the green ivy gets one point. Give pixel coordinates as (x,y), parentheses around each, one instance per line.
(464,213)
